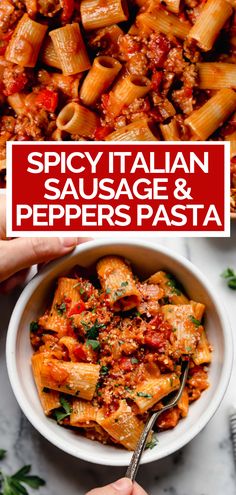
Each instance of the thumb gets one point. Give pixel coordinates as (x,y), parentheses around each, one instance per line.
(21,253)
(124,486)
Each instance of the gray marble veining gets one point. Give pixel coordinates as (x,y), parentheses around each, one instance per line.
(204,467)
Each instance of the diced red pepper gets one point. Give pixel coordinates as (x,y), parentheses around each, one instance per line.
(188,92)
(68,9)
(77,309)
(125,364)
(16,85)
(80,353)
(101,132)
(155,340)
(47,99)
(156,80)
(4,40)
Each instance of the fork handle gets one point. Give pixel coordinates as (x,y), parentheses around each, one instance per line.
(136,457)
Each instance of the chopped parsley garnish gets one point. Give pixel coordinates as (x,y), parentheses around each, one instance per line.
(64,411)
(93,331)
(196,322)
(152,444)
(93,343)
(60,308)
(230,275)
(104,370)
(175,286)
(15,484)
(188,348)
(108,291)
(134,360)
(128,389)
(124,284)
(34,326)
(144,394)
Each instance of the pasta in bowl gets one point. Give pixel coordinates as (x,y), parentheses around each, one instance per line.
(106,353)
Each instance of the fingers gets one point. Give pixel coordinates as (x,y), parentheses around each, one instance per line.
(17,254)
(124,486)
(138,490)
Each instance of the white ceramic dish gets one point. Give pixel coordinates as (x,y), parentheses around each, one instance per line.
(146,258)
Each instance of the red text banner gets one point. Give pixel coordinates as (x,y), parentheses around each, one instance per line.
(112,188)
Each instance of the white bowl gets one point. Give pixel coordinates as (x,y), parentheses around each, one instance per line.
(146,258)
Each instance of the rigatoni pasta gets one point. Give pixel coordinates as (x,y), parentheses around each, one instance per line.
(70,49)
(210,22)
(76,119)
(121,353)
(206,120)
(100,77)
(217,75)
(139,130)
(24,46)
(97,14)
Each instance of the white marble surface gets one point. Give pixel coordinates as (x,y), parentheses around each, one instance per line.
(203,467)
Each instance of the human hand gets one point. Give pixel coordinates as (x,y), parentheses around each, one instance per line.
(123,486)
(18,255)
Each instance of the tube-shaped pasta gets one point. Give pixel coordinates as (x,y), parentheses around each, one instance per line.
(48,54)
(56,319)
(17,102)
(78,379)
(209,23)
(100,77)
(97,13)
(136,131)
(82,412)
(70,49)
(183,403)
(173,5)
(153,390)
(216,75)
(170,131)
(202,354)
(24,46)
(76,119)
(117,280)
(204,121)
(49,398)
(232,139)
(187,328)
(126,91)
(122,425)
(164,22)
(6,8)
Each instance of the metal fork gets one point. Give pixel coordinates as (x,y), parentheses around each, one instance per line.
(136,457)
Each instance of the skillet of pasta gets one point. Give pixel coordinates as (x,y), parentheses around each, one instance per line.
(109,350)
(110,70)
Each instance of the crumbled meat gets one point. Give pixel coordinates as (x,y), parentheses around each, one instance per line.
(137,64)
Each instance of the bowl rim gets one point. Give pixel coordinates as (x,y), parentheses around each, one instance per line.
(54,438)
